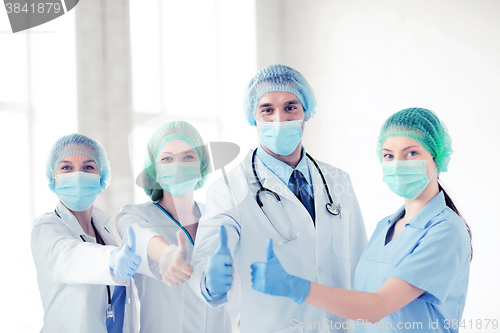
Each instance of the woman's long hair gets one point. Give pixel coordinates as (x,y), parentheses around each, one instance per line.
(452,206)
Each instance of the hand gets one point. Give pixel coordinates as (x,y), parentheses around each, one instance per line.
(123,261)
(271,278)
(219,271)
(174,269)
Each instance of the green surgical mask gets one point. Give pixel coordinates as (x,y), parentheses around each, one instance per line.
(178,178)
(408,179)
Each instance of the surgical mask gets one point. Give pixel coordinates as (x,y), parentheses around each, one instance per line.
(408,179)
(281,137)
(178,178)
(78,190)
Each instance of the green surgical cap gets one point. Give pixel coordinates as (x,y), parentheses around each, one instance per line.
(169,131)
(423,126)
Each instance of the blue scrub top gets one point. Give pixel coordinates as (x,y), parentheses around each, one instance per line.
(432,253)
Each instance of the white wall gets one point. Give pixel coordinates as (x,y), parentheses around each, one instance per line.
(37,106)
(369,59)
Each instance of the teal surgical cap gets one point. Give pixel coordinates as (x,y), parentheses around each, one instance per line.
(169,131)
(423,126)
(78,144)
(278,78)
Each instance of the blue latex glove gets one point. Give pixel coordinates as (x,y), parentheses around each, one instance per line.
(219,271)
(123,261)
(271,278)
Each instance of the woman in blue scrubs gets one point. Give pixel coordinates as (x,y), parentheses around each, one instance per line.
(413,275)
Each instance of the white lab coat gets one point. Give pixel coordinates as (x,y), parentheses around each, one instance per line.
(164,308)
(326,254)
(73,274)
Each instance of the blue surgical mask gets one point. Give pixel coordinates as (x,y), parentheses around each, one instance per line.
(178,178)
(78,190)
(408,179)
(281,137)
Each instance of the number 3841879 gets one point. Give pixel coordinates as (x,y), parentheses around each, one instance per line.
(41,8)
(477,324)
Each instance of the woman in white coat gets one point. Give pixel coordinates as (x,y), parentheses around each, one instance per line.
(177,163)
(79,265)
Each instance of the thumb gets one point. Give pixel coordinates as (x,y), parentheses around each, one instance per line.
(181,242)
(223,248)
(269,249)
(131,238)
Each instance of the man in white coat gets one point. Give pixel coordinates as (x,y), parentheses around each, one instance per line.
(278,191)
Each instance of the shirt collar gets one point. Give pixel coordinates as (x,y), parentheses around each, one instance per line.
(282,170)
(435,206)
(394,217)
(100,218)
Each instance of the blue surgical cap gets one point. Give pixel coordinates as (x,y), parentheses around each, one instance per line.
(169,131)
(278,78)
(78,144)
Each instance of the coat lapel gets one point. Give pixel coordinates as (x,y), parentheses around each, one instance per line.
(271,181)
(320,196)
(101,222)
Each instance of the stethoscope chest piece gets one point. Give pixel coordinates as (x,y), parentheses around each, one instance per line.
(334,210)
(330,206)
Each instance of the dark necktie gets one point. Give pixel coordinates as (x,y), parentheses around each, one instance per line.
(298,185)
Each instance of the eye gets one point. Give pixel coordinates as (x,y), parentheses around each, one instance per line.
(66,167)
(167,159)
(388,156)
(188,157)
(290,108)
(412,153)
(88,167)
(268,110)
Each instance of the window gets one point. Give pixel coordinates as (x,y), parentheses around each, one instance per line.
(37,105)
(191,61)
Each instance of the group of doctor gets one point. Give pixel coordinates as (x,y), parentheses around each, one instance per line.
(273,249)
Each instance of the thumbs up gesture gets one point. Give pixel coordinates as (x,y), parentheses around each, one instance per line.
(174,269)
(271,278)
(219,271)
(123,261)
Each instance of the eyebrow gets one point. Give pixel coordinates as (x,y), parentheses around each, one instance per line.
(187,151)
(294,101)
(87,161)
(410,147)
(402,149)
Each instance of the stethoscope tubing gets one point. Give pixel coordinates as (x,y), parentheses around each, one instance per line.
(330,206)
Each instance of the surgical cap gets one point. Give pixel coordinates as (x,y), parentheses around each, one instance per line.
(78,144)
(423,126)
(169,131)
(278,78)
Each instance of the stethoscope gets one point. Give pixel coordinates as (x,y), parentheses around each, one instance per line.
(330,206)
